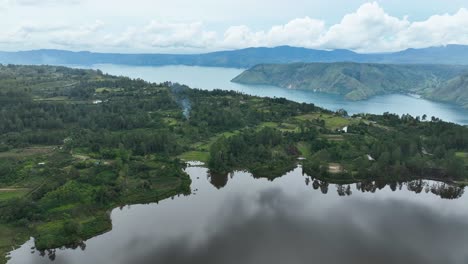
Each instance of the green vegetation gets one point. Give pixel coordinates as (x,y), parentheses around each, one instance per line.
(358,81)
(463,156)
(455,90)
(11,236)
(64,164)
(196,156)
(7,194)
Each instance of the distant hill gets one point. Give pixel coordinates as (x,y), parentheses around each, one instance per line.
(455,90)
(357,81)
(243,58)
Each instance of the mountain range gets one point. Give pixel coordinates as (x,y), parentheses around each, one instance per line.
(358,81)
(243,58)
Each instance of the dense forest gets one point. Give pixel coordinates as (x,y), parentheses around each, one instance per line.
(359,81)
(76,143)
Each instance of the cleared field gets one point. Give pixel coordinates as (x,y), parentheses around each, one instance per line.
(304,148)
(26,152)
(335,168)
(202,156)
(7,193)
(332,122)
(10,238)
(463,155)
(108,90)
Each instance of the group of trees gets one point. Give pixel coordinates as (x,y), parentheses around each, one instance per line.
(393,147)
(265,152)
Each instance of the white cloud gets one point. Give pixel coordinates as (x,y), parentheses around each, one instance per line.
(83,36)
(239,37)
(368,29)
(57,34)
(436,30)
(191,35)
(298,32)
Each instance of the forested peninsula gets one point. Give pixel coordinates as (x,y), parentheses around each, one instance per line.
(74,144)
(360,81)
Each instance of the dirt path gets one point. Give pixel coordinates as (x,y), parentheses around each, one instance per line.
(13,189)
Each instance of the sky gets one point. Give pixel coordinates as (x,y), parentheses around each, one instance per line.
(189,26)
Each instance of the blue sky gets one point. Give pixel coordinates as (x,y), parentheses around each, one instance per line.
(205,25)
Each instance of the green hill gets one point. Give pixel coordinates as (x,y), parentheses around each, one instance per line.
(454,90)
(358,81)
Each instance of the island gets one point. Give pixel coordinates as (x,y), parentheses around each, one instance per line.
(74,144)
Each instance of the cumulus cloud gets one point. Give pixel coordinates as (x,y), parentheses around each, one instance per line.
(298,32)
(369,29)
(438,30)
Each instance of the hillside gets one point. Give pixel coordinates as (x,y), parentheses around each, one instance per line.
(455,90)
(75,144)
(358,81)
(243,58)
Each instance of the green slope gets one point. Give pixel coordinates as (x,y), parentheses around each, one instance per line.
(454,90)
(358,81)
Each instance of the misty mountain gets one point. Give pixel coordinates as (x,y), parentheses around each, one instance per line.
(243,58)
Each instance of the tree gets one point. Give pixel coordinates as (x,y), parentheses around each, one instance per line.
(71,227)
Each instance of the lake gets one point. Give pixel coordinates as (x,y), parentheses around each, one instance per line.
(294,219)
(210,78)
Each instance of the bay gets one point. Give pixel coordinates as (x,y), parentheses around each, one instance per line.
(210,78)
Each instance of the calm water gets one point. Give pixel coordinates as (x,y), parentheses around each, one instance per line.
(220,78)
(293,219)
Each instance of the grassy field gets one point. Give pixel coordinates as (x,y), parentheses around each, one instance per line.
(202,156)
(26,152)
(6,194)
(332,122)
(108,90)
(10,238)
(463,155)
(56,99)
(304,148)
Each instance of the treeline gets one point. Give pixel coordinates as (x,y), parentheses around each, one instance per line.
(393,148)
(266,153)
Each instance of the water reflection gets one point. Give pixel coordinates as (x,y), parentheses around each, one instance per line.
(51,253)
(441,189)
(219,180)
(235,218)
